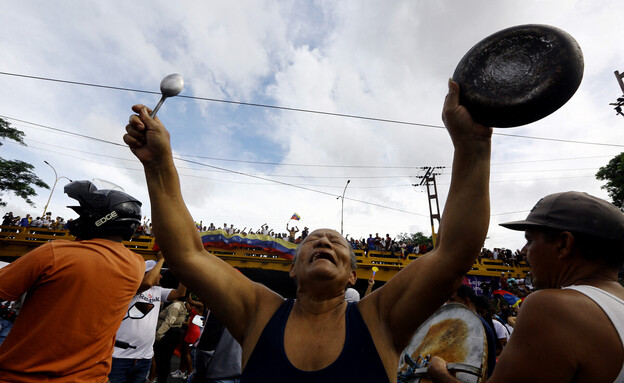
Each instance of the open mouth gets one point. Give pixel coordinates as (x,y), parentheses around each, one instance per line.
(317,256)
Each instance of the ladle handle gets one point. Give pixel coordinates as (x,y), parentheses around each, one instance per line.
(153,114)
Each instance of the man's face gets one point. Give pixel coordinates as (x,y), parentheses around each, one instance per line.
(541,256)
(324,255)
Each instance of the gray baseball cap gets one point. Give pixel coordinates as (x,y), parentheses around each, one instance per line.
(576,212)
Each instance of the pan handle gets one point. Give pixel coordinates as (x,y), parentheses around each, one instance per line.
(452,367)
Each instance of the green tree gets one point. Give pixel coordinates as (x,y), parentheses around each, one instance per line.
(418,237)
(613,173)
(17,176)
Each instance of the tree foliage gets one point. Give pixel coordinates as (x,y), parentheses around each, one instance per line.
(7,132)
(17,176)
(418,237)
(613,173)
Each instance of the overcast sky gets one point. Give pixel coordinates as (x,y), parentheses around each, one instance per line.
(249,165)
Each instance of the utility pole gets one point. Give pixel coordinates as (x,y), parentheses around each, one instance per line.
(620,101)
(619,77)
(432,193)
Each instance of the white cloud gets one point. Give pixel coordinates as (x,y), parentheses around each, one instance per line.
(383,59)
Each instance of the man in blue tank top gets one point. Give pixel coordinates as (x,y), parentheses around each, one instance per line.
(319,337)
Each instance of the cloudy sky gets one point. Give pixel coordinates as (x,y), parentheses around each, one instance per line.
(247,164)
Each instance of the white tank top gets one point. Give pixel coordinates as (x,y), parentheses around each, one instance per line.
(612,306)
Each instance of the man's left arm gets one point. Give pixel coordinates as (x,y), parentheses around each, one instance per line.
(394,312)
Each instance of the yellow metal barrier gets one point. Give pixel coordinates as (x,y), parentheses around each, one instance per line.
(17,241)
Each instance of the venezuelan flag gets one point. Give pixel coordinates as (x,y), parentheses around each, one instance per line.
(509,297)
(222,240)
(296,217)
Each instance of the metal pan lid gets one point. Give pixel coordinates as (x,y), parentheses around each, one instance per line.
(519,75)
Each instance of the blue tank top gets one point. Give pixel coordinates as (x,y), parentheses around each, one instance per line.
(358,361)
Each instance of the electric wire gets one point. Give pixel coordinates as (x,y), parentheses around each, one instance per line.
(314,165)
(319,177)
(292,109)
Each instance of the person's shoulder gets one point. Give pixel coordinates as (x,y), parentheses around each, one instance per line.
(555,309)
(551,299)
(62,242)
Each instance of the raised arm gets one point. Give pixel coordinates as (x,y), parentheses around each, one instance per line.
(408,299)
(177,294)
(233,298)
(152,277)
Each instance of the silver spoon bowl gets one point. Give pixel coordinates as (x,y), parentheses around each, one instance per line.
(170,86)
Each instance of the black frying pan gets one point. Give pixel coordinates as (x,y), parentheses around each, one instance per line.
(519,75)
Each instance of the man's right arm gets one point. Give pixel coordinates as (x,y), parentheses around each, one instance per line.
(235,299)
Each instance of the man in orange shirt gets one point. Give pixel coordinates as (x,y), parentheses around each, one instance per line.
(78,293)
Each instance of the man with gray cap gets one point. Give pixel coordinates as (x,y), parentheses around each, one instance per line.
(572,329)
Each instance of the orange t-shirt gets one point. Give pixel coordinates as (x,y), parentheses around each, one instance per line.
(78,293)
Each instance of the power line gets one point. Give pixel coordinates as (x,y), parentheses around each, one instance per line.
(227,101)
(272,181)
(323,177)
(552,159)
(296,185)
(301,110)
(305,165)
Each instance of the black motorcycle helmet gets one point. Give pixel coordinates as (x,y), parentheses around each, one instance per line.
(102,212)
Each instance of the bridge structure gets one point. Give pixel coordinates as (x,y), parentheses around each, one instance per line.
(260,266)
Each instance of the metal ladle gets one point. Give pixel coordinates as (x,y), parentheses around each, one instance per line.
(170,86)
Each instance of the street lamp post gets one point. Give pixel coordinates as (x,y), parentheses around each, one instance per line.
(342,208)
(56,178)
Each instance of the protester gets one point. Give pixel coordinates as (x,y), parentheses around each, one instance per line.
(168,336)
(9,310)
(78,292)
(8,218)
(314,327)
(292,232)
(134,348)
(218,355)
(572,328)
(191,336)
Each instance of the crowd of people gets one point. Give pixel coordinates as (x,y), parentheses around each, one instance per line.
(400,247)
(46,221)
